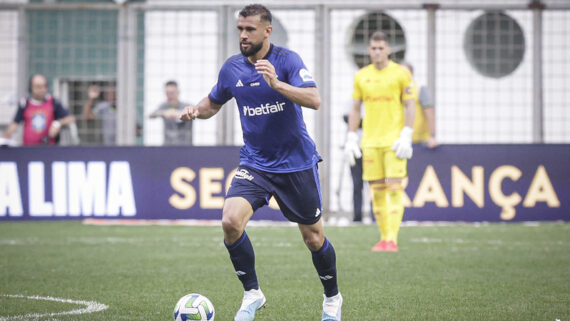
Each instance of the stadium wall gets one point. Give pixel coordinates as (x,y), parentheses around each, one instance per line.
(471,183)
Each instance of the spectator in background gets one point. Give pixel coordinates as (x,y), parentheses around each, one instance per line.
(106,110)
(424,123)
(42,114)
(176,132)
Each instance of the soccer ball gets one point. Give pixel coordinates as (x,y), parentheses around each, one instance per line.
(194,307)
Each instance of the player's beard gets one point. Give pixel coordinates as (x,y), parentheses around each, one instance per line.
(253,49)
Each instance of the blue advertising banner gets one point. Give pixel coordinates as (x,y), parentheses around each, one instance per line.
(492,183)
(117,182)
(469,183)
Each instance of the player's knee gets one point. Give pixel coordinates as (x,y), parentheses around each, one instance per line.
(377,186)
(314,241)
(394,186)
(231,225)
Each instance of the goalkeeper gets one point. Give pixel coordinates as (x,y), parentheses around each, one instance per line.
(388,95)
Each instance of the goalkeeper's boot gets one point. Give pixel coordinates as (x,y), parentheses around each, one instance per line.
(391,247)
(380,246)
(253,301)
(332,308)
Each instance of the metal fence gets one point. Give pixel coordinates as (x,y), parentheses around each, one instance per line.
(499,72)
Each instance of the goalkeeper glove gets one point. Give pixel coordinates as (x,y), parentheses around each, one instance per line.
(403,145)
(351,148)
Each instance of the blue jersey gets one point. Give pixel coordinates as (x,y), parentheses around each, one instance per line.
(274,132)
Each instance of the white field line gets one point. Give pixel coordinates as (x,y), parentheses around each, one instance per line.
(90,307)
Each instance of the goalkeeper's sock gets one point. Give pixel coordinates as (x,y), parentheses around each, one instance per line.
(394,210)
(379,209)
(324,261)
(243,259)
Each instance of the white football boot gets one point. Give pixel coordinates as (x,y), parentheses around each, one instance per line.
(253,301)
(332,308)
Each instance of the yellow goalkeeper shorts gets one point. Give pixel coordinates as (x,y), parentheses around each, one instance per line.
(381,162)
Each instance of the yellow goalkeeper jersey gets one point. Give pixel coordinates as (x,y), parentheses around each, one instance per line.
(382,92)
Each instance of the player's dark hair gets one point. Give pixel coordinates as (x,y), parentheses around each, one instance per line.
(171,83)
(254,10)
(407,64)
(379,36)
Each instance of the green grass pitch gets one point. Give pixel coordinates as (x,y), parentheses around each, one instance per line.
(454,272)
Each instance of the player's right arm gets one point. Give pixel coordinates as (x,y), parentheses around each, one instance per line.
(351,146)
(354,115)
(205,109)
(211,104)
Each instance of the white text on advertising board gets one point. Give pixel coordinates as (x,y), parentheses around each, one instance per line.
(430,189)
(78,189)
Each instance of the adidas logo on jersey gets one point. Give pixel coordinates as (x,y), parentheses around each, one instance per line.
(318,212)
(239,83)
(263,109)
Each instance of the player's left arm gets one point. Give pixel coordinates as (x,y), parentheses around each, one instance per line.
(409,112)
(304,96)
(408,97)
(403,145)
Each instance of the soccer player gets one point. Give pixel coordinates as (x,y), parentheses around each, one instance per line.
(279,159)
(424,123)
(388,95)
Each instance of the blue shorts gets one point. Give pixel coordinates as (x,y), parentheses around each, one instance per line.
(298,193)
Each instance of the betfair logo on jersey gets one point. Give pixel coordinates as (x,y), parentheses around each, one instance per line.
(263,109)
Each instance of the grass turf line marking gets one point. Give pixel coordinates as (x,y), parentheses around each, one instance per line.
(90,307)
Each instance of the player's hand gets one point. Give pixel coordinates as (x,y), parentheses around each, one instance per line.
(403,145)
(189,113)
(351,148)
(267,70)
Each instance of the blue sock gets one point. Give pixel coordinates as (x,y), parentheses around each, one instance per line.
(243,259)
(324,261)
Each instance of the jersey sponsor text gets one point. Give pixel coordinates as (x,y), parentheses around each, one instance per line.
(263,109)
